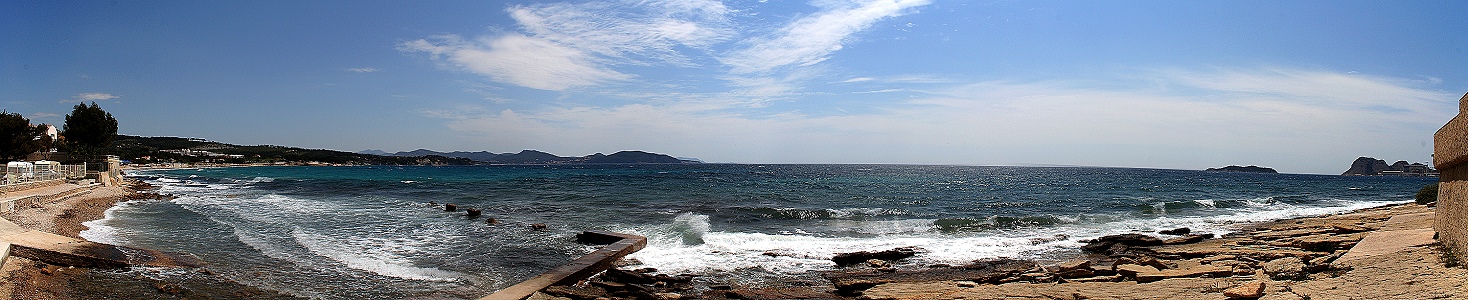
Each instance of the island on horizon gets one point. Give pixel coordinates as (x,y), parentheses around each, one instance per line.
(1246,169)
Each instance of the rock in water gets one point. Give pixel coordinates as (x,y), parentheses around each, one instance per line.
(473,212)
(847,259)
(450,207)
(1179,231)
(1106,243)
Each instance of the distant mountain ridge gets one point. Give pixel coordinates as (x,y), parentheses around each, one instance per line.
(538,157)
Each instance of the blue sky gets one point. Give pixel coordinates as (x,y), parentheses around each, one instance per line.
(1301,86)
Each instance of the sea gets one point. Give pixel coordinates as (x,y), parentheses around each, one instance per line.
(380,232)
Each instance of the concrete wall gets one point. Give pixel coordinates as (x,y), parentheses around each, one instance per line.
(1450,154)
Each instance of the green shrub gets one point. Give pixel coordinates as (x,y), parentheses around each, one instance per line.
(1428,194)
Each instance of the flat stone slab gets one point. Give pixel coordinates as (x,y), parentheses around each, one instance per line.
(66,251)
(1409,221)
(1387,242)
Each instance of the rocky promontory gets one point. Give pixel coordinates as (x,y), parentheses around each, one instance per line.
(1367,166)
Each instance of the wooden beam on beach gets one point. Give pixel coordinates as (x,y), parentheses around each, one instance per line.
(579,269)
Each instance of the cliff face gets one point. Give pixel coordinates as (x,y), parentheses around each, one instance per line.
(1372,166)
(1367,166)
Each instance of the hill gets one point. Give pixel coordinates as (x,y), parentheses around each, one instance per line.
(538,157)
(192,150)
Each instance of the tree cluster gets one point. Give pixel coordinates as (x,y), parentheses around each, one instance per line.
(88,130)
(19,138)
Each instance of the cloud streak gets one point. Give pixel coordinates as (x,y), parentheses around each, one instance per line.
(86,97)
(812,39)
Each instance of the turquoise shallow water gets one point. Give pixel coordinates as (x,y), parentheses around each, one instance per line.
(370,232)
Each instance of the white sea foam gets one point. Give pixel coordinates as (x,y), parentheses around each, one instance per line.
(379,256)
(793,253)
(100,231)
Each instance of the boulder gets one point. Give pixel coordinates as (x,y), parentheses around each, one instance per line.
(1113,244)
(1186,239)
(1288,268)
(1249,290)
(473,212)
(450,207)
(1131,270)
(1071,265)
(1077,268)
(847,259)
(1153,262)
(1178,231)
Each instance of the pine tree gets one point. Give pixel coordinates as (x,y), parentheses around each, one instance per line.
(89,130)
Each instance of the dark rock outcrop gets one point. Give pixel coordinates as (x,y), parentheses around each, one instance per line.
(1371,166)
(1109,244)
(847,259)
(1178,231)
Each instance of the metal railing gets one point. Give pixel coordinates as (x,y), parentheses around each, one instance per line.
(42,174)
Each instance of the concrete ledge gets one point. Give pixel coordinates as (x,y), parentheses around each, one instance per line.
(579,269)
(61,250)
(1388,242)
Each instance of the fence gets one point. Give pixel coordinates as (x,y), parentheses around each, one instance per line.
(21,178)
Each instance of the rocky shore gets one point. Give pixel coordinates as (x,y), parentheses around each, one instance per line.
(26,279)
(1379,253)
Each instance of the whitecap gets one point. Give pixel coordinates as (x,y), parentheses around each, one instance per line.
(374,255)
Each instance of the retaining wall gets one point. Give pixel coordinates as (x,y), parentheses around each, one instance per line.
(1450,154)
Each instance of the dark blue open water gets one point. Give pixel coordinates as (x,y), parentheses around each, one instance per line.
(368,232)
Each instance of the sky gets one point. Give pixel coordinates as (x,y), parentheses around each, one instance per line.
(1299,86)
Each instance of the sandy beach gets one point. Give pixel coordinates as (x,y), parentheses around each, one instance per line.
(1304,258)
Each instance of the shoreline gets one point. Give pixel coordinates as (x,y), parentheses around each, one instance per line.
(33,280)
(1310,257)
(27,279)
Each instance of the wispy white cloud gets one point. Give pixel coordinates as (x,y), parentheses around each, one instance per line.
(362,70)
(857,79)
(86,97)
(1287,119)
(520,60)
(811,39)
(43,115)
(573,45)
